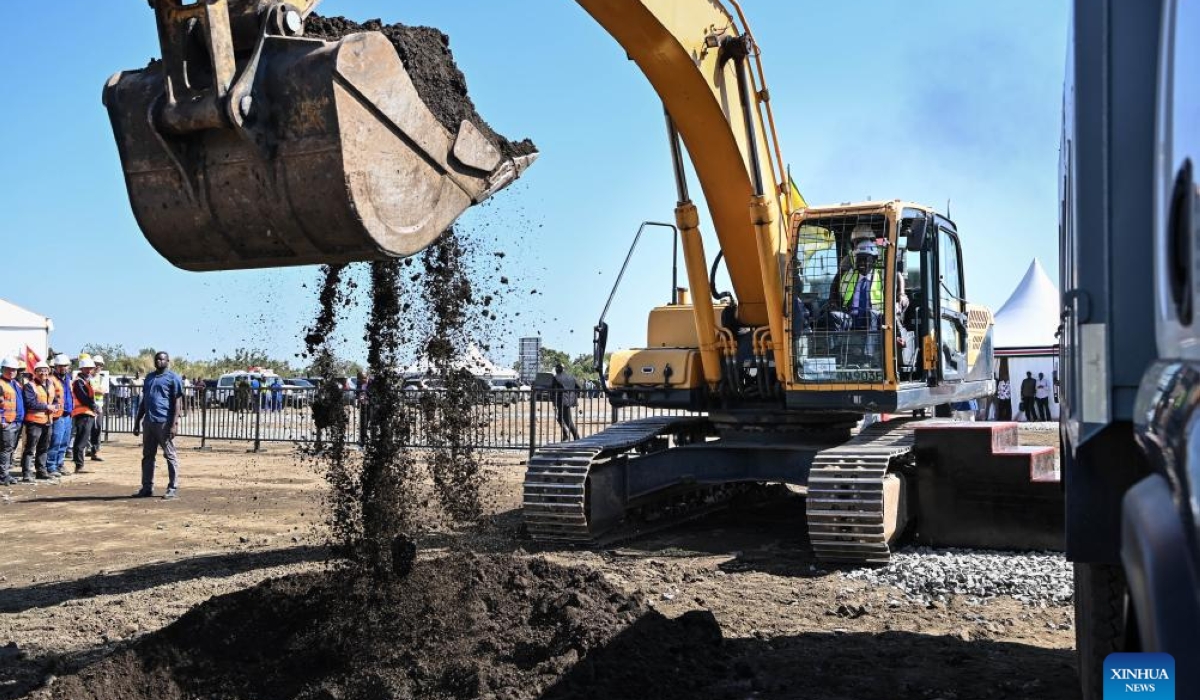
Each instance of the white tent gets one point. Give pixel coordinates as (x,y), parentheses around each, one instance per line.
(473,361)
(1024,336)
(21,327)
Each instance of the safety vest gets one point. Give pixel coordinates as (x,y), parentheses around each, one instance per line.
(850,280)
(58,396)
(83,390)
(44,396)
(8,401)
(97,389)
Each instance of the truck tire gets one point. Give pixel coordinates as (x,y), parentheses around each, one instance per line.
(1100,592)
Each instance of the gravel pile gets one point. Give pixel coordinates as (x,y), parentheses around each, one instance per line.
(1039,427)
(926,575)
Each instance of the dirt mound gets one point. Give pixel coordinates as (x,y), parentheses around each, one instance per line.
(456,627)
(425,53)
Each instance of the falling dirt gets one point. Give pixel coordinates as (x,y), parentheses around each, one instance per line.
(425,53)
(454,464)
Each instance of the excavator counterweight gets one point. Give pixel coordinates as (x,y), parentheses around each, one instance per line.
(249,145)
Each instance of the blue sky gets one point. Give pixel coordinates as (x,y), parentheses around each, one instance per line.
(925,100)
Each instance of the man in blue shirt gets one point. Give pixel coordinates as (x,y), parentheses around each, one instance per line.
(161,406)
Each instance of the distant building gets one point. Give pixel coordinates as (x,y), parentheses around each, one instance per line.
(21,327)
(1024,337)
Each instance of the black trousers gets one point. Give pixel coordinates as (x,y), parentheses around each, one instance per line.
(1043,408)
(1004,409)
(37,445)
(97,426)
(564,416)
(82,425)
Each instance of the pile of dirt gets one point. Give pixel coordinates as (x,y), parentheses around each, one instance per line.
(456,627)
(425,53)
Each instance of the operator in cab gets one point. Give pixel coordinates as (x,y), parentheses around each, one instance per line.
(858,292)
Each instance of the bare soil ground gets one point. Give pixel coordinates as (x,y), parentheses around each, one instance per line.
(84,571)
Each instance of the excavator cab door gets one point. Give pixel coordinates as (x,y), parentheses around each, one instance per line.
(951,306)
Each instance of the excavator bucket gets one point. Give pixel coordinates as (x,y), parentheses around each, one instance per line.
(321,152)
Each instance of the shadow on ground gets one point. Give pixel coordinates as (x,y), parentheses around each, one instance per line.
(14,600)
(654,657)
(682,658)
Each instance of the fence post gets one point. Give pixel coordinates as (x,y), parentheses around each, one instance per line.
(257,420)
(203,417)
(616,412)
(532,421)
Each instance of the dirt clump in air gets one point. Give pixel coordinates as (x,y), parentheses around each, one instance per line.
(425,53)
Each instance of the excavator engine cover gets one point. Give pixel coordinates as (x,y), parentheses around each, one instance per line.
(330,157)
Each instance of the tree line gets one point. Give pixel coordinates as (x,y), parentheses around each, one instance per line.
(122,362)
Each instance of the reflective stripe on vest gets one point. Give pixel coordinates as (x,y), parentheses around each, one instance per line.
(850,281)
(98,389)
(57,387)
(8,401)
(43,396)
(80,409)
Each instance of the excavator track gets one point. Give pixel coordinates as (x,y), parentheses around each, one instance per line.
(851,494)
(556,503)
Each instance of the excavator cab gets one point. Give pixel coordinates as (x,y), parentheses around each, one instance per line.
(885,332)
(249,145)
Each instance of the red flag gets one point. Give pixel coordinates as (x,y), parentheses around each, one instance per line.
(31,359)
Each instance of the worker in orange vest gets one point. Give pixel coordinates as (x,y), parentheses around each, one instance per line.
(60,432)
(39,406)
(83,415)
(12,416)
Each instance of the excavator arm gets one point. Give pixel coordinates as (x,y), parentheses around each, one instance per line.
(702,62)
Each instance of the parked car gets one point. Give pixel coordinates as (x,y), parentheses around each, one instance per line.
(226,393)
(506,390)
(297,392)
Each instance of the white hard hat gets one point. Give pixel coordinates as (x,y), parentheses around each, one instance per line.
(98,359)
(862,231)
(10,363)
(61,360)
(40,365)
(87,363)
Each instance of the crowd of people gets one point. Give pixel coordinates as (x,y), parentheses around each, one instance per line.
(50,416)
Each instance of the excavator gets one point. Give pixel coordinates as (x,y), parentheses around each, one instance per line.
(249,145)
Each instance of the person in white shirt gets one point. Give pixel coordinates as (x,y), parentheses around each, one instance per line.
(1043,398)
(1003,400)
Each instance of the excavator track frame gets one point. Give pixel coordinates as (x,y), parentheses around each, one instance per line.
(571,493)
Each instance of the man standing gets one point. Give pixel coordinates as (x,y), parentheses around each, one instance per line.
(39,406)
(1029,397)
(60,431)
(1003,400)
(565,398)
(100,387)
(277,394)
(162,397)
(1042,392)
(12,415)
(84,413)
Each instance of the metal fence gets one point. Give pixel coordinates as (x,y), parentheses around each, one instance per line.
(499,420)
